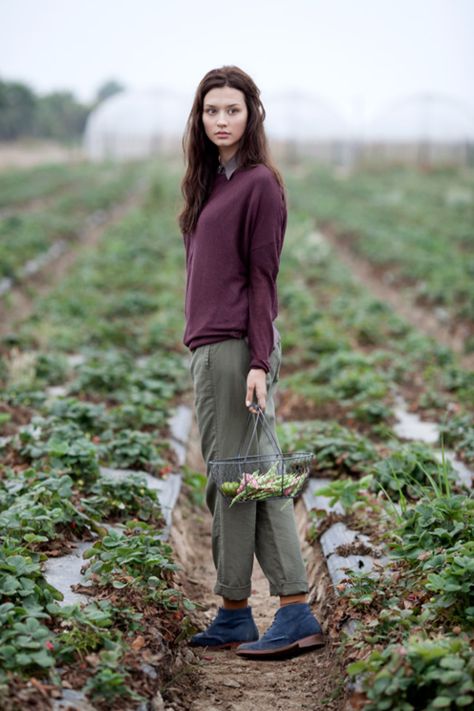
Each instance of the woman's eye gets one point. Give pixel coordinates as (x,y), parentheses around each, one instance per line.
(231,111)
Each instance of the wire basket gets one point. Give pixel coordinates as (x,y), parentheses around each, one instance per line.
(258,477)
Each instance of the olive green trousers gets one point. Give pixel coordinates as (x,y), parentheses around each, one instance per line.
(266,529)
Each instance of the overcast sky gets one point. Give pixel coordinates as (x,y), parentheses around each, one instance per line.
(357,54)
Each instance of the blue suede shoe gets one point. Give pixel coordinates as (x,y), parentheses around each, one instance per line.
(294,628)
(228,629)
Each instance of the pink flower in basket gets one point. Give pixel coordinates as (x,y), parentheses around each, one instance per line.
(247,480)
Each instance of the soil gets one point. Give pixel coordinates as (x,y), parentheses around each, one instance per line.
(222,680)
(401,300)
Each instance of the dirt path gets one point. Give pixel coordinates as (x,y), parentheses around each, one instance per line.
(311,681)
(401,301)
(19,302)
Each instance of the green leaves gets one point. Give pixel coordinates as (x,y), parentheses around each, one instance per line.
(26,644)
(458,430)
(453,582)
(42,510)
(60,446)
(346,491)
(347,376)
(431,523)
(130,558)
(422,673)
(110,679)
(116,500)
(126,367)
(25,235)
(336,448)
(21,580)
(409,470)
(410,229)
(129,449)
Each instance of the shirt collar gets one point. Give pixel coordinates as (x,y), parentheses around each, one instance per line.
(228,167)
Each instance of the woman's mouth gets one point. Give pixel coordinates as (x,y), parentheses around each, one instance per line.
(222,133)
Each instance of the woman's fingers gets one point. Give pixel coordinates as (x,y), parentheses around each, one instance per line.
(256,386)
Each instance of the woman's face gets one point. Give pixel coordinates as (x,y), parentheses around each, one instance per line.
(225,110)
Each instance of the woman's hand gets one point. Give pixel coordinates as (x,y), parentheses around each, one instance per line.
(256,382)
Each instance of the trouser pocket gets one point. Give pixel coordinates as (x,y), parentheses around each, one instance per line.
(273,375)
(199,360)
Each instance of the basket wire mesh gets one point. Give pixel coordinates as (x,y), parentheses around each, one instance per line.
(255,477)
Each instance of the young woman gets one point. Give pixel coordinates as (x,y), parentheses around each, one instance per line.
(233,224)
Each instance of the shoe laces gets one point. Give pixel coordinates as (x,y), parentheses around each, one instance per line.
(272,626)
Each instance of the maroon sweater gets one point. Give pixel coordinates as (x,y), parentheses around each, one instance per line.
(232,262)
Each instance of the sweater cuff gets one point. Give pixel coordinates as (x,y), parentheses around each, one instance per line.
(261,364)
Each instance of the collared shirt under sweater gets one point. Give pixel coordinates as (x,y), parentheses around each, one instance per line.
(232,262)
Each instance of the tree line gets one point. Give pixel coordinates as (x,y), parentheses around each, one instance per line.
(57,115)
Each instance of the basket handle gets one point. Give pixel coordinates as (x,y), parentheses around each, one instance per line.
(266,428)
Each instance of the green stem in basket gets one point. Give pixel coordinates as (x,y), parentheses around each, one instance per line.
(255,487)
(229,488)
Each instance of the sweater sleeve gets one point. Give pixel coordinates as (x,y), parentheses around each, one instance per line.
(266,241)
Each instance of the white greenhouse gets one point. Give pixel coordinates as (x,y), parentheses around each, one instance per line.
(135,124)
(143,123)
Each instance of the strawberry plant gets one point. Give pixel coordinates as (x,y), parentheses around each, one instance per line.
(458,430)
(460,382)
(25,597)
(336,448)
(21,580)
(420,674)
(140,410)
(432,524)
(135,558)
(64,448)
(104,372)
(110,680)
(132,449)
(51,368)
(408,469)
(346,491)
(90,417)
(116,500)
(343,376)
(43,511)
(91,628)
(452,583)
(25,642)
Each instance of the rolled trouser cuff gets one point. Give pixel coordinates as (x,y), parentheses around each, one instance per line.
(298,588)
(233,592)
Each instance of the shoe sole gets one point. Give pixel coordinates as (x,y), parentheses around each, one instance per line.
(306,643)
(217,647)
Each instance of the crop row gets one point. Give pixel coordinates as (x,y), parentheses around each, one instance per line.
(21,187)
(89,379)
(88,382)
(83,192)
(416,227)
(349,358)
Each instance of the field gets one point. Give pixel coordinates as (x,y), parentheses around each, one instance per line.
(381,390)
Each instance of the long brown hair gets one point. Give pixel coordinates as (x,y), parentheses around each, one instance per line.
(202,156)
